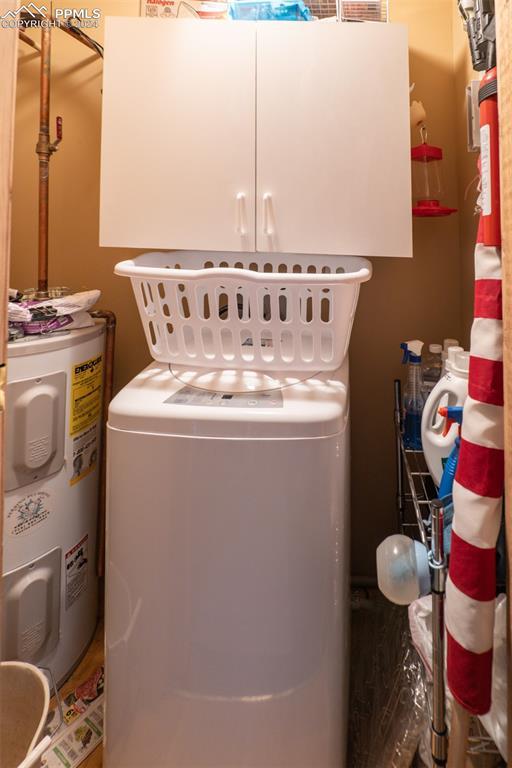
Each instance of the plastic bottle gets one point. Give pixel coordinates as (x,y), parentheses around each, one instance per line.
(452,415)
(451,390)
(432,368)
(447,343)
(414,398)
(403,572)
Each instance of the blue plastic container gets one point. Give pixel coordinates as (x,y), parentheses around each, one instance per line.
(414,399)
(269,10)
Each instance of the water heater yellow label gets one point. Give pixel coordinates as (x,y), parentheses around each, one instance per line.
(86,380)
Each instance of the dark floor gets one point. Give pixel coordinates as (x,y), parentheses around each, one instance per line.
(388,707)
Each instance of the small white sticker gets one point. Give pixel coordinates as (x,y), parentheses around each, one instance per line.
(77,565)
(485,160)
(28,513)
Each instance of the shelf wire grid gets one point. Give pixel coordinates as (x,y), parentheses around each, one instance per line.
(415,486)
(415,511)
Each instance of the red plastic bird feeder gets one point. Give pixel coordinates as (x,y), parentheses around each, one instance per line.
(427,184)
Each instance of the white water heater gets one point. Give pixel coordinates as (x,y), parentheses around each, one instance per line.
(53,429)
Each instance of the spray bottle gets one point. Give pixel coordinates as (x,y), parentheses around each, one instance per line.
(450,390)
(452,415)
(414,399)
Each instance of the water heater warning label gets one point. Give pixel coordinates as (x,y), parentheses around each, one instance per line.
(76,571)
(85,454)
(86,380)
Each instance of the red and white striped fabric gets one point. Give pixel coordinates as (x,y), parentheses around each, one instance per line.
(477,497)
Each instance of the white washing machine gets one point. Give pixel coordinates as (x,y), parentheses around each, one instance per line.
(228,570)
(53,430)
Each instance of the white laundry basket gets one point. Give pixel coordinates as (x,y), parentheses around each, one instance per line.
(244,310)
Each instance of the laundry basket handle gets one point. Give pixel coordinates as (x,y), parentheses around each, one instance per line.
(130,269)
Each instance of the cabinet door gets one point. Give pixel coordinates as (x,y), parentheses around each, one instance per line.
(178,143)
(333,146)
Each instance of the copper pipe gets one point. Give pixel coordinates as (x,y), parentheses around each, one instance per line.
(82,38)
(44,151)
(28,40)
(44,147)
(108,389)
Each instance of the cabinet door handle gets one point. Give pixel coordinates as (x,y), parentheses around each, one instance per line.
(268,215)
(241,227)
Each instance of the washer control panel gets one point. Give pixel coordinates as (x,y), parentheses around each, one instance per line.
(193,396)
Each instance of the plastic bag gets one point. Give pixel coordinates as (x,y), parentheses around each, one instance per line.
(388,698)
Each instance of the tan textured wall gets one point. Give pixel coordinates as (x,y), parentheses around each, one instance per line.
(420,298)
(405,299)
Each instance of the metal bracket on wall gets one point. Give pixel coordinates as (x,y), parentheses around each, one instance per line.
(473,116)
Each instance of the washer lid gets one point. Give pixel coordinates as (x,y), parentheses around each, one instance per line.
(238,381)
(159,402)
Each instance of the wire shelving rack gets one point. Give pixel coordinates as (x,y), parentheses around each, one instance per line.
(416,492)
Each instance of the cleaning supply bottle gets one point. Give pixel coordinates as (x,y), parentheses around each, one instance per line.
(451,390)
(432,367)
(452,414)
(447,343)
(414,399)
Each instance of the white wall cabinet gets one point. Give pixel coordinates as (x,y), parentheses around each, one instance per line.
(177,154)
(242,136)
(333,162)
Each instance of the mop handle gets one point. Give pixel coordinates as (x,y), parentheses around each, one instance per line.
(437,562)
